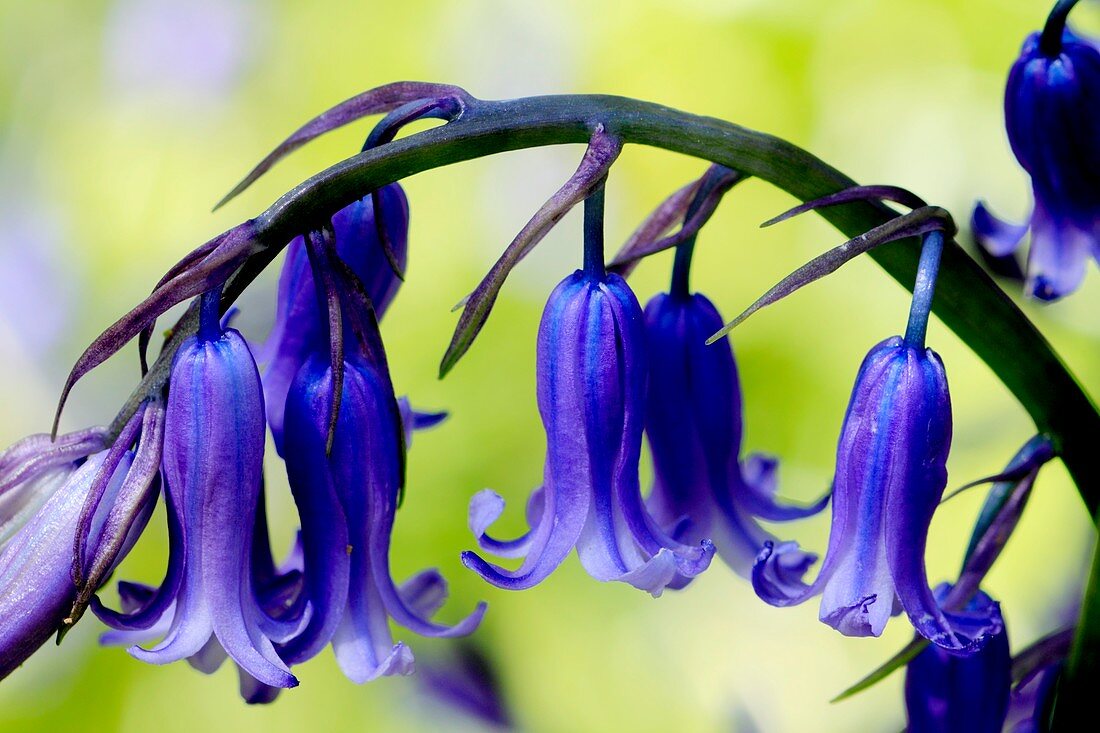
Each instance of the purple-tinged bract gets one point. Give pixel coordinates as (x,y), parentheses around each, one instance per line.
(298,322)
(591,395)
(953,693)
(694,425)
(890,475)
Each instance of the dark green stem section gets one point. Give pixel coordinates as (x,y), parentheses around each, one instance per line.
(966,300)
(1076,693)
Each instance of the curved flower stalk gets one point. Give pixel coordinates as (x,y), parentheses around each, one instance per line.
(212,464)
(591,396)
(358,243)
(43,489)
(1052,115)
(950,693)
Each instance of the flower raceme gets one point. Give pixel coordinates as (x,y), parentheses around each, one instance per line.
(591,395)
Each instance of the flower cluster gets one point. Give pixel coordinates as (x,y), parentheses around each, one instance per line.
(610,374)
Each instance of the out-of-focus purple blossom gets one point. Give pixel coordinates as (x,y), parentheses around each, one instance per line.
(1052,115)
(694,425)
(953,693)
(192,52)
(298,321)
(463,679)
(591,395)
(36,295)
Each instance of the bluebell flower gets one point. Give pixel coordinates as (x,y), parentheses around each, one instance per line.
(344,445)
(347,500)
(890,474)
(1052,115)
(212,471)
(373,249)
(955,693)
(278,589)
(694,425)
(44,485)
(591,395)
(891,470)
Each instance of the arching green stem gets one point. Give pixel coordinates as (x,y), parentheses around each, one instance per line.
(967,300)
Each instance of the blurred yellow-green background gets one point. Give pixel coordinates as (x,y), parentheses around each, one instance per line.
(123,121)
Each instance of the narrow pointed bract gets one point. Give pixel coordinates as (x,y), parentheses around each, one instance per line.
(591,396)
(297,320)
(694,426)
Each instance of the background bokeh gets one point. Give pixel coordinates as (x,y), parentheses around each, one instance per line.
(123,121)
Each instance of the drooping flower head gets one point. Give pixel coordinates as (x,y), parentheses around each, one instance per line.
(953,693)
(1052,115)
(212,470)
(591,383)
(347,475)
(891,471)
(694,425)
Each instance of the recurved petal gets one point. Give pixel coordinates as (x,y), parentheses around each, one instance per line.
(1059,253)
(996,236)
(759,488)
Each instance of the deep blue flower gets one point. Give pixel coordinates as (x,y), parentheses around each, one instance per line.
(890,474)
(591,395)
(955,693)
(1052,115)
(297,324)
(694,425)
(212,470)
(347,500)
